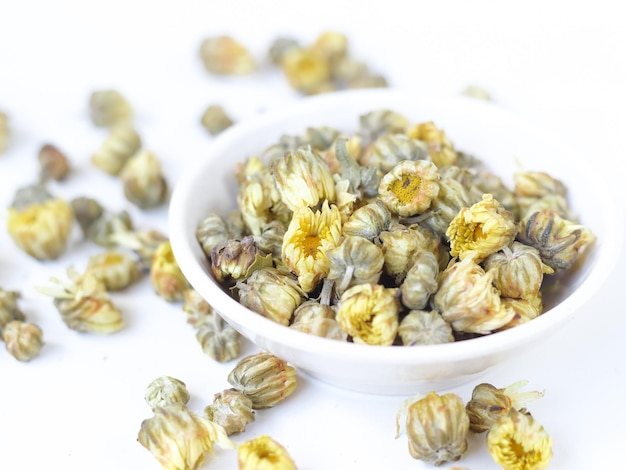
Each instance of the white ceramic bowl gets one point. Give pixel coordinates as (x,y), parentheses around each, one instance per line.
(500,139)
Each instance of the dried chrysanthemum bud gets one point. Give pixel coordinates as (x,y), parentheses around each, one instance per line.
(483,229)
(409,187)
(420,327)
(440,148)
(23,340)
(537,184)
(264,378)
(280,47)
(108,108)
(317,319)
(306,70)
(211,231)
(4,132)
(165,391)
(525,310)
(307,239)
(53,163)
(144,243)
(86,210)
(553,202)
(303,179)
(119,146)
(487,182)
(333,45)
(263,453)
(220,341)
(232,410)
(518,442)
(368,221)
(368,80)
(178,438)
(420,281)
(9,310)
(437,427)
(468,300)
(369,313)
(223,55)
(215,120)
(167,280)
(235,260)
(271,293)
(379,122)
(198,310)
(270,240)
(475,91)
(391,149)
(518,270)
(400,246)
(558,240)
(355,261)
(258,199)
(39,223)
(143,180)
(84,303)
(116,269)
(488,404)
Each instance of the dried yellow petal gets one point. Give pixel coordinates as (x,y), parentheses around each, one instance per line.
(178,438)
(263,453)
(518,442)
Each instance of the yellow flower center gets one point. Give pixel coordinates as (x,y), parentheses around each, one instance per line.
(310,244)
(406,188)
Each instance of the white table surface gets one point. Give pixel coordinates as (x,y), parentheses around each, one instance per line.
(79,405)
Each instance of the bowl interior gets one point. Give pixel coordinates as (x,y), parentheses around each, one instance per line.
(502,140)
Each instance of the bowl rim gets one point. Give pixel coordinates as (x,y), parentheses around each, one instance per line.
(186,255)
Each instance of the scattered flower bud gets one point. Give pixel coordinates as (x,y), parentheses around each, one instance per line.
(259,200)
(518,442)
(271,293)
(198,310)
(517,270)
(143,180)
(9,310)
(369,313)
(108,108)
(306,70)
(483,228)
(379,122)
(4,132)
(53,163)
(368,221)
(309,236)
(164,391)
(117,270)
(232,410)
(145,243)
(39,223)
(178,438)
(23,340)
(235,260)
(488,404)
(420,327)
(264,378)
(437,427)
(215,120)
(440,148)
(468,300)
(475,91)
(84,303)
(558,240)
(263,453)
(409,187)
(166,277)
(223,55)
(355,261)
(117,149)
(420,281)
(220,341)
(280,47)
(86,210)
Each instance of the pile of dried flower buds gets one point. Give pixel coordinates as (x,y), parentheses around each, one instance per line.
(390,236)
(179,438)
(437,427)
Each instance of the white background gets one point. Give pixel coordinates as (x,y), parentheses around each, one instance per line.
(80,404)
